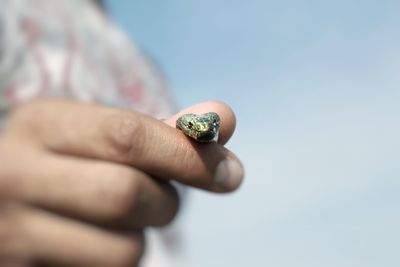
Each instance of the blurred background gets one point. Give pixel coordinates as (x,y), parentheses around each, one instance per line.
(316,89)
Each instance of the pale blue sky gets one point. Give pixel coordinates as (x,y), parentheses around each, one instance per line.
(316,88)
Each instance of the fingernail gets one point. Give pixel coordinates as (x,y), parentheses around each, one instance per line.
(229,174)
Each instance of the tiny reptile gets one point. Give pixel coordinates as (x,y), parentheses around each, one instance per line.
(202,128)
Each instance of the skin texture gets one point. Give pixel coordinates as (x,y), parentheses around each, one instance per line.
(202,128)
(79,183)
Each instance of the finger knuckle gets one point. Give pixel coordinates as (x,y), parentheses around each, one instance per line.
(126,133)
(9,181)
(20,116)
(119,192)
(25,114)
(11,239)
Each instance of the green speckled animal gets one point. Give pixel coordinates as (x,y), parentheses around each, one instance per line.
(202,128)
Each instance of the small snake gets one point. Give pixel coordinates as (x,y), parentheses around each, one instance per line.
(202,128)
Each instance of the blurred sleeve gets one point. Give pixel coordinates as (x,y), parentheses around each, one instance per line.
(10,53)
(14,50)
(8,36)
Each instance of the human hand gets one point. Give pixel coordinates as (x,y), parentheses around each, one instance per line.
(80,182)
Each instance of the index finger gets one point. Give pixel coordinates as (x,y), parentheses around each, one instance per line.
(132,138)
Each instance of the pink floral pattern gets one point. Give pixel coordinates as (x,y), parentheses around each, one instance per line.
(70,48)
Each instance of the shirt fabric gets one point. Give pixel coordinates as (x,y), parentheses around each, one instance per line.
(71,49)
